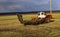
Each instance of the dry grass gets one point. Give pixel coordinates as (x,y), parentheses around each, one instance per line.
(10,27)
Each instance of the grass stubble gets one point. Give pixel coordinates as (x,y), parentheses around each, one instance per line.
(11,27)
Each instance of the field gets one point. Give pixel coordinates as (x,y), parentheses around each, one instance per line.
(11,27)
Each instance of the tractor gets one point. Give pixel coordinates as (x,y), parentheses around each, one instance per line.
(42,18)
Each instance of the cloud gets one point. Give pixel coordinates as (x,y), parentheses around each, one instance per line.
(3,0)
(1,9)
(42,2)
(21,0)
(11,7)
(24,5)
(28,5)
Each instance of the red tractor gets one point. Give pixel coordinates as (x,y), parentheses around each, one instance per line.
(42,18)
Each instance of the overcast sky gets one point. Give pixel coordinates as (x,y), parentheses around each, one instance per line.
(28,5)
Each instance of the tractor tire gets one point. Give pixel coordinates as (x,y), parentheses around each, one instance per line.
(27,22)
(42,21)
(34,22)
(47,20)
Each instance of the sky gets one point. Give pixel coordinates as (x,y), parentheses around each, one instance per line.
(28,5)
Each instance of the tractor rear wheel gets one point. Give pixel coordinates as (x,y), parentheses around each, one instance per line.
(35,22)
(26,22)
(47,20)
(41,21)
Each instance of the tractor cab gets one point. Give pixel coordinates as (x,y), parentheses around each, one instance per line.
(41,15)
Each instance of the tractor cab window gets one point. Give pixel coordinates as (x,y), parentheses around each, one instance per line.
(41,15)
